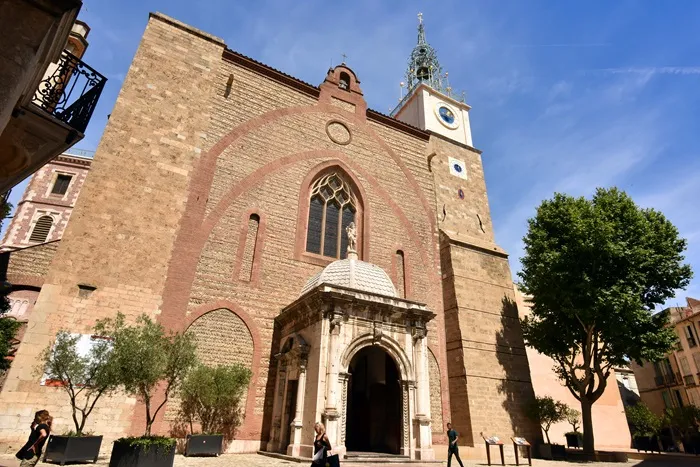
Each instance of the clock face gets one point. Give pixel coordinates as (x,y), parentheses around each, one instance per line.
(446,115)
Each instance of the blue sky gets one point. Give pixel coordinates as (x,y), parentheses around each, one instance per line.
(566,96)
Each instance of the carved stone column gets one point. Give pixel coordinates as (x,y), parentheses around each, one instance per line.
(331,412)
(294,448)
(423,432)
(283,415)
(406,416)
(344,379)
(274,441)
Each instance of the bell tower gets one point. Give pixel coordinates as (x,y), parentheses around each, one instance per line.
(429,103)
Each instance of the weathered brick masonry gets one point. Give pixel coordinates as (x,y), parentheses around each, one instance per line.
(204,145)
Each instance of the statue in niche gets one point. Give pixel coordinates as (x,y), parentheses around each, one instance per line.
(352,238)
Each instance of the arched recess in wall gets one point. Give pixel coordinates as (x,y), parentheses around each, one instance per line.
(435,393)
(400,274)
(222,338)
(248,258)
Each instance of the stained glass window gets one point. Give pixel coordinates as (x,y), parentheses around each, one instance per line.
(332,207)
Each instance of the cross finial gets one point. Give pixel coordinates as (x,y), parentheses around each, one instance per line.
(344,57)
(420,18)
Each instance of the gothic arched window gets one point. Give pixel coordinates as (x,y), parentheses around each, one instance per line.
(332,207)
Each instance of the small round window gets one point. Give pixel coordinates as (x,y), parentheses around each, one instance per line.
(447,116)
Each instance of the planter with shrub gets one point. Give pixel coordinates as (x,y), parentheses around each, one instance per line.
(204,445)
(210,397)
(85,377)
(546,411)
(645,426)
(153,451)
(61,449)
(146,360)
(574,439)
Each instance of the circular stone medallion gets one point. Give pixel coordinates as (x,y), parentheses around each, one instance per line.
(338,132)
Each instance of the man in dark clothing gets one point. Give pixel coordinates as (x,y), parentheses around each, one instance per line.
(452,448)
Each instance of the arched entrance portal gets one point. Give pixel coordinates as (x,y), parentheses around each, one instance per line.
(374,403)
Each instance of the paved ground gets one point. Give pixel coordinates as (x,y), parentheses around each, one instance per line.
(254,460)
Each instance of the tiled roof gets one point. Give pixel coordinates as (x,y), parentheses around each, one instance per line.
(354,274)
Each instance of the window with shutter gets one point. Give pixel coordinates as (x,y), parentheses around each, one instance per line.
(690,336)
(41,229)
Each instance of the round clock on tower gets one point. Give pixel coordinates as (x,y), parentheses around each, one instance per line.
(429,103)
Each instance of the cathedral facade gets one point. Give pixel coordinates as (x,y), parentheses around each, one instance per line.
(345,256)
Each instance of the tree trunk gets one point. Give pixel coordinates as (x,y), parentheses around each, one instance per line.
(588,441)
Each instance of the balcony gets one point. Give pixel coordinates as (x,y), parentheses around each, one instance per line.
(50,121)
(689,380)
(668,380)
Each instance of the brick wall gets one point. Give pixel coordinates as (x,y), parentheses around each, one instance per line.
(262,167)
(38,200)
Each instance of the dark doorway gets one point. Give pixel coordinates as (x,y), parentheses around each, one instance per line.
(290,408)
(374,403)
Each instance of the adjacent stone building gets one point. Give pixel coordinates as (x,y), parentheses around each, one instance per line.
(675,380)
(345,256)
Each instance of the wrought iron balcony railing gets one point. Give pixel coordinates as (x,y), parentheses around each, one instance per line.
(668,380)
(71,92)
(689,380)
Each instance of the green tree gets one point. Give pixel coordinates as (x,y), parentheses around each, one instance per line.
(573,417)
(146,357)
(85,378)
(212,395)
(684,419)
(546,411)
(596,269)
(644,422)
(8,325)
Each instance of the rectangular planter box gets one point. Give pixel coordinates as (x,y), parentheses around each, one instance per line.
(552,451)
(62,449)
(124,455)
(204,445)
(574,441)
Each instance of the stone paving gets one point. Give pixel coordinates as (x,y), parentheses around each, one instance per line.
(255,460)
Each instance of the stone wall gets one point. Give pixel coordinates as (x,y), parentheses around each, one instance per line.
(489,380)
(28,266)
(122,230)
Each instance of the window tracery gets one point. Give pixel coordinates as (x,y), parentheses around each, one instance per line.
(332,207)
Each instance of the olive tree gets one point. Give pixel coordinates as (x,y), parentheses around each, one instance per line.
(546,411)
(212,397)
(146,357)
(85,377)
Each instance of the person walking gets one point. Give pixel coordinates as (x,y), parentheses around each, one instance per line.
(31,451)
(321,446)
(452,448)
